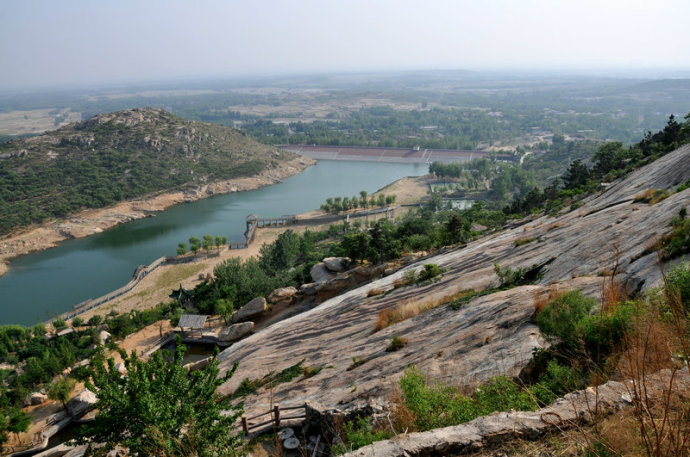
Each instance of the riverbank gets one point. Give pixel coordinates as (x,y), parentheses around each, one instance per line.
(94,221)
(155,287)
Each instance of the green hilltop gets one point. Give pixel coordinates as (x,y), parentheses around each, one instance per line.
(119,156)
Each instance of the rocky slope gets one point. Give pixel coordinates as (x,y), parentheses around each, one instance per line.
(489,335)
(120,156)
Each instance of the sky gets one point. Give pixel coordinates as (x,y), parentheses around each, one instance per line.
(72,42)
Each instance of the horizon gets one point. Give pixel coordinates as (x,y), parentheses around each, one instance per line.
(80,43)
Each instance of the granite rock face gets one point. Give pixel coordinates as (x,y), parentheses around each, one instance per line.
(489,335)
(235,332)
(255,307)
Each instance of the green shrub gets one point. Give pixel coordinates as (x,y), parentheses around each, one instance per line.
(561,318)
(555,382)
(501,394)
(678,282)
(77,322)
(440,405)
(59,324)
(359,434)
(430,270)
(603,333)
(95,320)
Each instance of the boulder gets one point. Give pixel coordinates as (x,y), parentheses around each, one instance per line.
(320,273)
(120,367)
(235,332)
(282,294)
(36,398)
(308,289)
(81,403)
(335,264)
(103,336)
(253,308)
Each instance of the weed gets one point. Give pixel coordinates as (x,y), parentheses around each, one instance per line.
(356,361)
(397,342)
(309,371)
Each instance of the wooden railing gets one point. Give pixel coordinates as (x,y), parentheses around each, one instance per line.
(275,417)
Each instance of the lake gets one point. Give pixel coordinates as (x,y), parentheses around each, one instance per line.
(44,284)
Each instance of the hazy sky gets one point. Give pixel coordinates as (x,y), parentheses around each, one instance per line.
(54,42)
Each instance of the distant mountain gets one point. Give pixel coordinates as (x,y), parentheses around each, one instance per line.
(119,156)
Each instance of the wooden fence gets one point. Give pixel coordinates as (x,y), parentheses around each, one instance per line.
(275,417)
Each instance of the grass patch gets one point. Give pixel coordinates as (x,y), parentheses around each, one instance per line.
(397,343)
(651,196)
(375,292)
(356,361)
(434,405)
(520,241)
(309,371)
(249,386)
(172,276)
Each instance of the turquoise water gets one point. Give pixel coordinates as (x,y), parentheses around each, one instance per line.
(41,285)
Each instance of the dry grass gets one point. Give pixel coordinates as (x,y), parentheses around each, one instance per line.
(374,292)
(650,196)
(553,227)
(405,310)
(542,298)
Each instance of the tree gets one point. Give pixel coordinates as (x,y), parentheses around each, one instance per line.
(181,248)
(60,389)
(224,308)
(218,242)
(160,408)
(363,194)
(95,320)
(194,244)
(207,242)
(59,324)
(577,175)
(77,322)
(13,420)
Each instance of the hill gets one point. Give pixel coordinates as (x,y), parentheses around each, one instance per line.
(493,332)
(120,156)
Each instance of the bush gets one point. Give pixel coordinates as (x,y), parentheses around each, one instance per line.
(59,324)
(359,434)
(77,322)
(95,320)
(561,318)
(430,270)
(440,405)
(555,382)
(678,283)
(604,332)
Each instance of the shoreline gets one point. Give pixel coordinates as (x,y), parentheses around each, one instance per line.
(93,221)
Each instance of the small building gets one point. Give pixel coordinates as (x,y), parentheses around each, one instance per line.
(182,295)
(192,322)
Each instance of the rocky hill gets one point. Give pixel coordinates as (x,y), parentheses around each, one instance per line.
(120,156)
(489,335)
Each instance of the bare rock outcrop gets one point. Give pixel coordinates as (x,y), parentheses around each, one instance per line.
(489,335)
(235,332)
(255,307)
(283,294)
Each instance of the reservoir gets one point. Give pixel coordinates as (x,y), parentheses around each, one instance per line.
(44,284)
